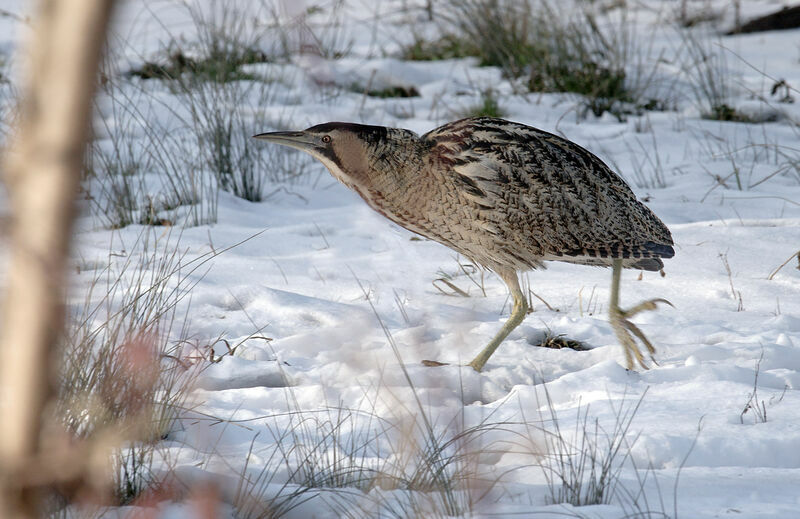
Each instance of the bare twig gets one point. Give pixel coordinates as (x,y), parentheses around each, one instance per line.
(790,258)
(735,293)
(42,176)
(455,290)
(759,408)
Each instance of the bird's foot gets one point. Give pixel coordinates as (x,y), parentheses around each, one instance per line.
(433,363)
(626,331)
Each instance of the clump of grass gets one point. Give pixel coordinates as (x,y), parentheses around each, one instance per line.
(320,29)
(118,176)
(498,33)
(115,165)
(226,42)
(221,106)
(228,39)
(755,406)
(260,494)
(329,447)
(393,91)
(362,465)
(386,92)
(447,46)
(224,116)
(541,49)
(130,143)
(707,71)
(488,106)
(584,466)
(122,372)
(340,448)
(218,64)
(589,56)
(724,112)
(604,88)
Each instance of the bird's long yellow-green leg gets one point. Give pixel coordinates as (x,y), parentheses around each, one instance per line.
(623,328)
(517,316)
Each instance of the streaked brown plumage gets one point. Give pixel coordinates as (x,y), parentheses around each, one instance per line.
(505,195)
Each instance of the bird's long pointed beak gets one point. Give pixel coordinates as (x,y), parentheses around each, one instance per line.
(299,140)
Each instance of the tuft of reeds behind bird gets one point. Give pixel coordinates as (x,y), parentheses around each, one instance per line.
(144,167)
(141,167)
(594,53)
(709,76)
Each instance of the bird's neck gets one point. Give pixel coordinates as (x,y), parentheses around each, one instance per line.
(395,175)
(394,168)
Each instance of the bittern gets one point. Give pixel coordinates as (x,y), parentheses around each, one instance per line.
(505,195)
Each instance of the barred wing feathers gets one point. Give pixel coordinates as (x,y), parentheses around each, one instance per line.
(546,198)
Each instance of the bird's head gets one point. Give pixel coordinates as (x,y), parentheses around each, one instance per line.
(356,154)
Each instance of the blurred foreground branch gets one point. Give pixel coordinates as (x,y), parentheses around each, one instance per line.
(42,171)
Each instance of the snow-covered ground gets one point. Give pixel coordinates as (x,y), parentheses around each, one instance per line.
(352,304)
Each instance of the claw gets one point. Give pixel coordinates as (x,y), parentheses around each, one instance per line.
(626,331)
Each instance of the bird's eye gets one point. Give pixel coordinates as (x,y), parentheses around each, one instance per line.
(326,139)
